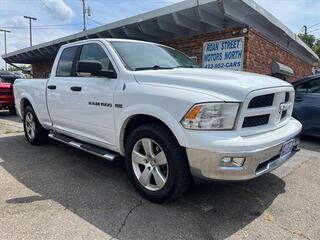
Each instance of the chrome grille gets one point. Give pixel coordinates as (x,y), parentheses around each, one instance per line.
(264,110)
(284,114)
(256,121)
(262,101)
(287,97)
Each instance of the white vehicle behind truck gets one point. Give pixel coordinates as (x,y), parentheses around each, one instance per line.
(170,120)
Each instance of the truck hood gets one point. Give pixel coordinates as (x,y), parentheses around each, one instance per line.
(222,84)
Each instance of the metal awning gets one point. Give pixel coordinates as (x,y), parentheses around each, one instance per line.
(279,68)
(183,19)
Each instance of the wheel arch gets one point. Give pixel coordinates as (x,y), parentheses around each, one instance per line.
(25,102)
(135,120)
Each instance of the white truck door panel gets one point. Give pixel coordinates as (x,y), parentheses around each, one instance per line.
(57,91)
(83,105)
(92,108)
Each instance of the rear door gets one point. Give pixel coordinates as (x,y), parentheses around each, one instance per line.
(307,106)
(58,91)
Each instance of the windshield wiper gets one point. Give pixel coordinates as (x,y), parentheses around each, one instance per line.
(181,66)
(155,67)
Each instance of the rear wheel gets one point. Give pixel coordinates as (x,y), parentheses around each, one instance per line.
(157,165)
(34,132)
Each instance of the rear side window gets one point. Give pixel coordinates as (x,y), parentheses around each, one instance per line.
(95,52)
(65,64)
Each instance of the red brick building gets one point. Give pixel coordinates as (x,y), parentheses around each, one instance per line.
(228,34)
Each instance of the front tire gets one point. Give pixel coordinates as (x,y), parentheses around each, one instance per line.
(34,132)
(157,165)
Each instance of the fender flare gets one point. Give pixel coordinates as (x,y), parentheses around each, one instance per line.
(153,111)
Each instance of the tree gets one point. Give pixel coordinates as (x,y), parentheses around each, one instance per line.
(12,69)
(312,42)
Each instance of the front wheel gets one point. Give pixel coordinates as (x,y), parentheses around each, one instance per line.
(34,132)
(157,165)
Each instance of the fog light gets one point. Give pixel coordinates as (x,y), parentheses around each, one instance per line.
(232,161)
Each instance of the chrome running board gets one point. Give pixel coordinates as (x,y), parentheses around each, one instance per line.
(98,151)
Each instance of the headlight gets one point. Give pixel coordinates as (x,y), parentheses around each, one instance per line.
(211,116)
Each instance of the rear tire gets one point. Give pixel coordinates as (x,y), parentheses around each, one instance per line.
(34,132)
(165,165)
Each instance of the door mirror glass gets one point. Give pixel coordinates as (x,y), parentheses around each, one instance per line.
(94,68)
(88,66)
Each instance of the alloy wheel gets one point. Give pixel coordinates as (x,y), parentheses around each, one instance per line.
(150,164)
(30,125)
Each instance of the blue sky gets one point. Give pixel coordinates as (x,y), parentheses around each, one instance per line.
(58,18)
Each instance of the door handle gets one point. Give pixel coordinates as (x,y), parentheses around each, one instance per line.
(76,89)
(52,87)
(299,99)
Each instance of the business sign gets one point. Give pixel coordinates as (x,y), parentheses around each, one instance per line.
(224,54)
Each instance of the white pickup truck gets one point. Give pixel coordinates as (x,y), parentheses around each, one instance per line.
(171,120)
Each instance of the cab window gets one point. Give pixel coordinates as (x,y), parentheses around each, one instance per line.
(65,65)
(95,52)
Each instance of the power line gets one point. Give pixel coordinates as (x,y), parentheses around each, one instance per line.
(49,25)
(62,27)
(97,22)
(314,30)
(314,25)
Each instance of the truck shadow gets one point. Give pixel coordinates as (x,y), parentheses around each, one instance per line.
(100,193)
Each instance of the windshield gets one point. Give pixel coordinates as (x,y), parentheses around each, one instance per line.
(143,56)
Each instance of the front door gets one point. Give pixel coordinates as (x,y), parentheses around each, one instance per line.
(85,102)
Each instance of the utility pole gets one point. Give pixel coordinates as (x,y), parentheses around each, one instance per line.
(5,44)
(86,11)
(84,15)
(305,30)
(30,27)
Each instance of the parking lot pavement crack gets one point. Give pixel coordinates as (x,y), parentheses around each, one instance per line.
(297,233)
(296,168)
(123,224)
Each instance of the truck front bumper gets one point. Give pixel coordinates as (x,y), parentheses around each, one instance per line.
(260,155)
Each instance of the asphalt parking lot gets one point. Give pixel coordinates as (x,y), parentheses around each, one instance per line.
(57,192)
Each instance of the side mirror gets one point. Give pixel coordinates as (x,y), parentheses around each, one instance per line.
(89,66)
(94,68)
(107,73)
